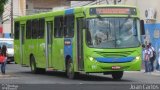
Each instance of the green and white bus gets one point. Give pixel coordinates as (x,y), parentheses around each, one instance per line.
(89,39)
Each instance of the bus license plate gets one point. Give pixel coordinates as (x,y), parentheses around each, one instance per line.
(116,67)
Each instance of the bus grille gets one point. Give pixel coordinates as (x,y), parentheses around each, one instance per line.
(115,54)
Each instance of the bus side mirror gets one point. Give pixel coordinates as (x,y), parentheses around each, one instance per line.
(142,27)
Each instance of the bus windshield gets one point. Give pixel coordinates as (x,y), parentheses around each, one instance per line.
(112,33)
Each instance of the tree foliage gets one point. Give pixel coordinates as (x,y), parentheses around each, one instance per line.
(2,3)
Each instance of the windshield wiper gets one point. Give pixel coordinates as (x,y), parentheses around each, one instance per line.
(99,17)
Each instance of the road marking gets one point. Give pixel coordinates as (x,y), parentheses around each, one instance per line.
(4,76)
(8,77)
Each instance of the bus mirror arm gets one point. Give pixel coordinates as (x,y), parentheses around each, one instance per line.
(142,27)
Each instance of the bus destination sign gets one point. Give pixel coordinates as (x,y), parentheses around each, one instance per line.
(112,10)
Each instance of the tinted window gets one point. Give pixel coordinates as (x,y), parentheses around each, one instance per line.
(69,26)
(34,29)
(58,27)
(41,28)
(28,29)
(16,30)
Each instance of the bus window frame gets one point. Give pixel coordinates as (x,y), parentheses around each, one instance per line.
(59,27)
(69,21)
(16,28)
(28,29)
(41,28)
(35,28)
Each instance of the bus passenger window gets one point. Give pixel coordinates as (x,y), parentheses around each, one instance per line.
(58,27)
(41,28)
(69,29)
(34,29)
(28,29)
(16,30)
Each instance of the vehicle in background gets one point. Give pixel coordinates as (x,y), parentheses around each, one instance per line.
(10,50)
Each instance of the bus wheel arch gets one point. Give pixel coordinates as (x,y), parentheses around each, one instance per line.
(33,66)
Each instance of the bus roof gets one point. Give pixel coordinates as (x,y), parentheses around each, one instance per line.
(62,12)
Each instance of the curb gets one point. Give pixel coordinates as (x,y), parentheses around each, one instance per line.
(155,73)
(142,71)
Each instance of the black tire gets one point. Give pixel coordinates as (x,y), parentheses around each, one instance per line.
(34,68)
(41,70)
(70,70)
(117,75)
(33,65)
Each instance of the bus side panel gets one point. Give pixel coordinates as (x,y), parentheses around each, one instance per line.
(58,53)
(27,51)
(34,49)
(17,51)
(41,57)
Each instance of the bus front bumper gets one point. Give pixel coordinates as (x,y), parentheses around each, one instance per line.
(98,67)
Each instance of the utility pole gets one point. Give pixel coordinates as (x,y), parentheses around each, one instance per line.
(11,18)
(115,2)
(107,2)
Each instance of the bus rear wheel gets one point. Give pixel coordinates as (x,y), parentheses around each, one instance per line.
(70,70)
(117,75)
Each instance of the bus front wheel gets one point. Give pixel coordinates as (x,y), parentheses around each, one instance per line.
(117,75)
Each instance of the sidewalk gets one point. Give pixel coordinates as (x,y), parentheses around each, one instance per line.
(157,73)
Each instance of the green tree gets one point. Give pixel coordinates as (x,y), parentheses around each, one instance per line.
(2,3)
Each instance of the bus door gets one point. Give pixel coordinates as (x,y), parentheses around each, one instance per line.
(49,43)
(22,41)
(80,44)
(58,44)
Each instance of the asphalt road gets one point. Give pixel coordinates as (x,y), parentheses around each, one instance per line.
(21,77)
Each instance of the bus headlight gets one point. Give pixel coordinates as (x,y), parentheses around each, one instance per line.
(137,58)
(91,58)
